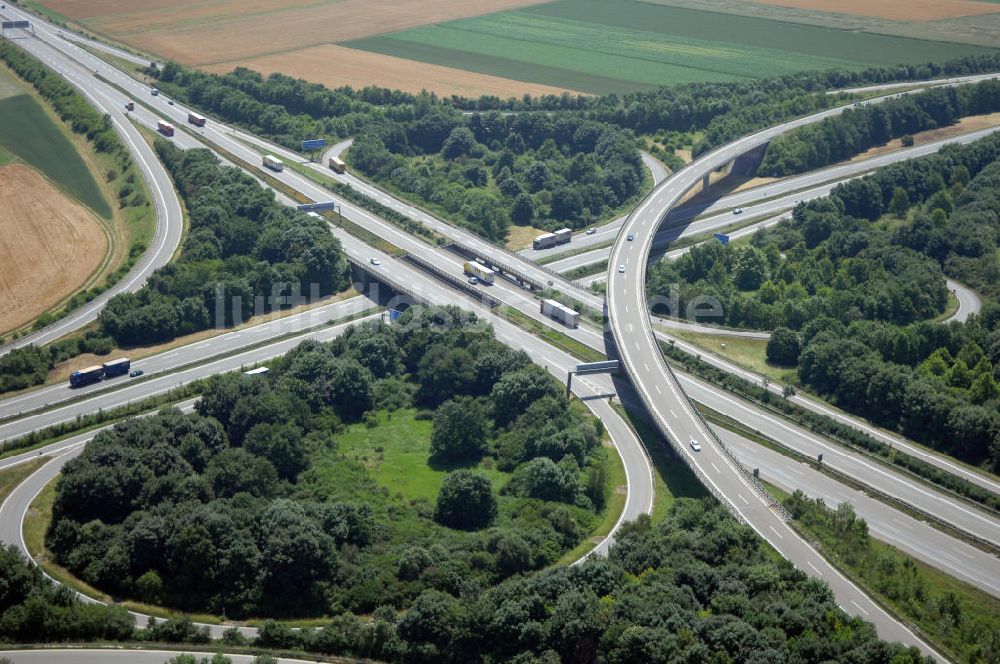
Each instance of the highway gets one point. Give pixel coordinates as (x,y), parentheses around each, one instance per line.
(637,347)
(509,294)
(764,200)
(518,337)
(166,239)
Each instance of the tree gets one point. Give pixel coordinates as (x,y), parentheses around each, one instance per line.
(459,430)
(458,144)
(749,268)
(900,202)
(522,210)
(465,501)
(783,347)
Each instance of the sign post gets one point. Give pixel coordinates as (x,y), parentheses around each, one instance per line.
(312,145)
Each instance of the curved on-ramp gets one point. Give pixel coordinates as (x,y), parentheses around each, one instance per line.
(169,219)
(637,348)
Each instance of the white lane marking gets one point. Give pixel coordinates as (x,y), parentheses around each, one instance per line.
(860,608)
(715,467)
(745,501)
(658,390)
(809,562)
(673,414)
(780,536)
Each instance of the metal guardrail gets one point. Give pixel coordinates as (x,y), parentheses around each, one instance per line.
(513,274)
(452,280)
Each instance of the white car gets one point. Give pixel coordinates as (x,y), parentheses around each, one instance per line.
(374,261)
(591,231)
(695,445)
(621,268)
(738,211)
(473,280)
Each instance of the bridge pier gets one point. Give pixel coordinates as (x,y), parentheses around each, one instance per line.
(706,181)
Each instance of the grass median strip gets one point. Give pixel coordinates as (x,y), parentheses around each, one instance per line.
(556,338)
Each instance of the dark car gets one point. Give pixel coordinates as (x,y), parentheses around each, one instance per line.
(135,373)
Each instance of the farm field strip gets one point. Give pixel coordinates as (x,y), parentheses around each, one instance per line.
(566,42)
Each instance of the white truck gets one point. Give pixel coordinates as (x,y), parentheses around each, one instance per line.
(273,163)
(479,271)
(561,236)
(561,313)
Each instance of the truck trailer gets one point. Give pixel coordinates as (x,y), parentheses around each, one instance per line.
(561,236)
(86,376)
(197,120)
(118,367)
(479,271)
(273,163)
(337,165)
(561,313)
(165,128)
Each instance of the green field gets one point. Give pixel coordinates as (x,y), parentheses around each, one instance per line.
(28,132)
(602,46)
(396,455)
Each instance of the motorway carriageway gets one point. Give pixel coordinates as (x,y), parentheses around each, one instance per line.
(163,244)
(664,398)
(404,240)
(509,294)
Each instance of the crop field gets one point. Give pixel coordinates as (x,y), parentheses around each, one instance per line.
(601,46)
(49,245)
(897,10)
(30,134)
(297,37)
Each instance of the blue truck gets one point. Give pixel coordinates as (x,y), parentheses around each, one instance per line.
(99,372)
(118,367)
(86,376)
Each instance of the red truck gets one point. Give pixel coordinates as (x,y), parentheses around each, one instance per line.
(165,128)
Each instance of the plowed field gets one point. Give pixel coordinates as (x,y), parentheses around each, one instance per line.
(49,245)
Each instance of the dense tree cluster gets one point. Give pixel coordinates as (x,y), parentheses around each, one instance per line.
(854,131)
(245,255)
(487,170)
(33,609)
(248,506)
(695,588)
(821,263)
(30,365)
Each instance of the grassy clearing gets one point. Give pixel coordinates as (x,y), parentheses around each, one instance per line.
(28,132)
(600,46)
(396,454)
(744,351)
(520,237)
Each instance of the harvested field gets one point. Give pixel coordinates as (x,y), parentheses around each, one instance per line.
(201,33)
(49,246)
(360,68)
(896,10)
(963,126)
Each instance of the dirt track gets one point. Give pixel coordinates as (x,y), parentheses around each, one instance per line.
(896,10)
(49,246)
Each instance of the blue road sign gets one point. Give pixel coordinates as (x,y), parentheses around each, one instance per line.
(317,207)
(314,144)
(721,237)
(394,314)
